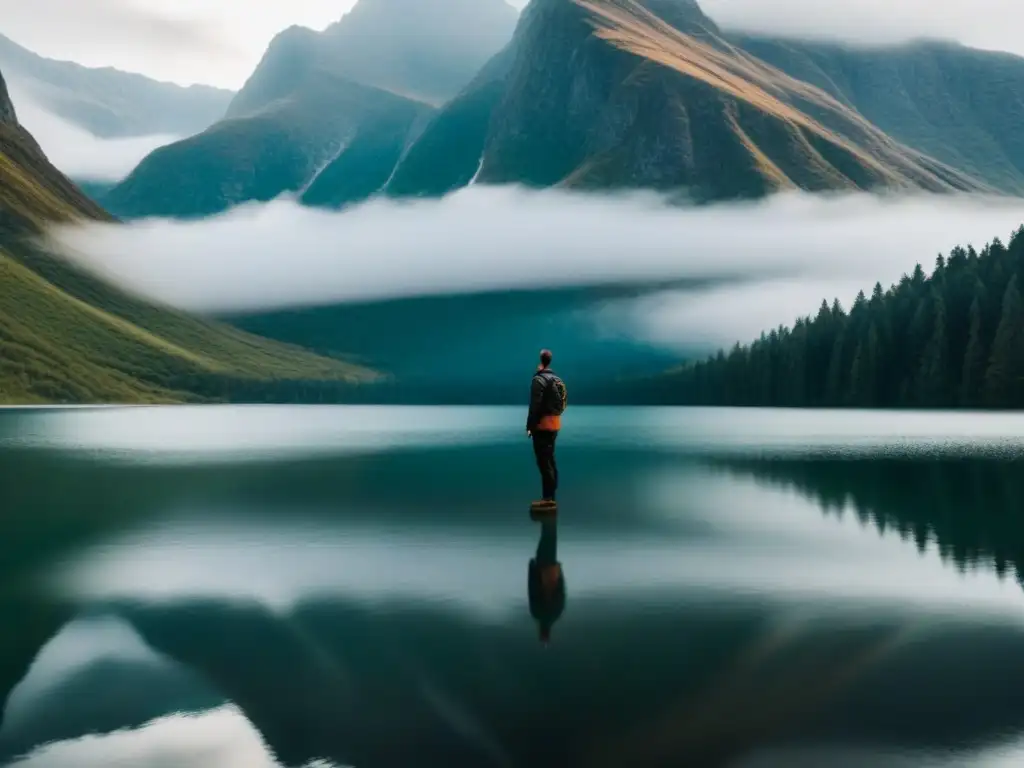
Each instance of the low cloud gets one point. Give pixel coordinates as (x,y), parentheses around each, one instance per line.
(991,24)
(76,152)
(726,313)
(151,36)
(768,262)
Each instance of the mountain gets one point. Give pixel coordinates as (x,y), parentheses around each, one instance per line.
(68,337)
(619,93)
(110,103)
(963,107)
(325,125)
(425,50)
(33,191)
(326,116)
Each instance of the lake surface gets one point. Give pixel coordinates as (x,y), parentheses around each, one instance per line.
(261,587)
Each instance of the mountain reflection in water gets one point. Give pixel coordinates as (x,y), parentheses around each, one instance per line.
(720,603)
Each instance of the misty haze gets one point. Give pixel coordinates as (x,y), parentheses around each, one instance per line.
(391,383)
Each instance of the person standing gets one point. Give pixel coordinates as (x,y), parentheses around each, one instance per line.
(543,422)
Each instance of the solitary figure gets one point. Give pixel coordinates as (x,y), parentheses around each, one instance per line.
(547,402)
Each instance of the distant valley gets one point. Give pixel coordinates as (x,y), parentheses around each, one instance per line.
(108,103)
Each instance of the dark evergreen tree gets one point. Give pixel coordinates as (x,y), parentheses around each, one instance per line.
(973,374)
(932,382)
(834,386)
(1006,365)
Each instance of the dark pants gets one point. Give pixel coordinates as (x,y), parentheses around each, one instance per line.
(544,450)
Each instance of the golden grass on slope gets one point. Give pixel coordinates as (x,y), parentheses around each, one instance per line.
(13,271)
(26,201)
(38,364)
(769,170)
(32,192)
(56,346)
(630,27)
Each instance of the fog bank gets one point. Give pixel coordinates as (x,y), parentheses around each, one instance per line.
(774,260)
(76,152)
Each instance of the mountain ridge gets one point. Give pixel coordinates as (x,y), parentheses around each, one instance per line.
(732,126)
(280,147)
(327,116)
(622,94)
(108,102)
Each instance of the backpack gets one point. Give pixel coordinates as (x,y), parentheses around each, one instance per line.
(555,396)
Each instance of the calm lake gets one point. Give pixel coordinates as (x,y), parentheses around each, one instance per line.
(255,587)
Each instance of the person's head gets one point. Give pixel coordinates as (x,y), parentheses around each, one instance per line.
(545,358)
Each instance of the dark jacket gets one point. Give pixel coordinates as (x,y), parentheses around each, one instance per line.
(538,419)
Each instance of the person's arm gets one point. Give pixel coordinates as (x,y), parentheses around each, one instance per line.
(536,403)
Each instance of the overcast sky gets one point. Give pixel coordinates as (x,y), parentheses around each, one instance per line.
(220,41)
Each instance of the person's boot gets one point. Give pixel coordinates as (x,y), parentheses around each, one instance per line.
(543,508)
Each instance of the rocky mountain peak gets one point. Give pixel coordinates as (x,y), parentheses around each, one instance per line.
(289,59)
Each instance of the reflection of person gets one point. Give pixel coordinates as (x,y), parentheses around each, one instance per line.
(546,581)
(547,402)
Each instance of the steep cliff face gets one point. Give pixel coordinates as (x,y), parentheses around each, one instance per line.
(623,93)
(663,101)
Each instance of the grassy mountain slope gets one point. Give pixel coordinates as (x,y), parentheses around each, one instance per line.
(33,192)
(279,148)
(961,106)
(110,103)
(68,337)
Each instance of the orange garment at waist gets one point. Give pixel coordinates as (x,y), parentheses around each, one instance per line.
(549,423)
